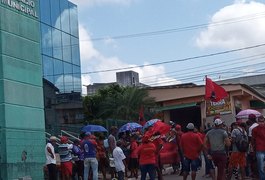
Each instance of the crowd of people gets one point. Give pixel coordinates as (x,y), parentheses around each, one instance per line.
(237,150)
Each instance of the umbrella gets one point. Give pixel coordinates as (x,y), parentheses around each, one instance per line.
(244,113)
(93,128)
(130,127)
(150,123)
(161,127)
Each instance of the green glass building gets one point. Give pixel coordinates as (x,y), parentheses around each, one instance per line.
(36,42)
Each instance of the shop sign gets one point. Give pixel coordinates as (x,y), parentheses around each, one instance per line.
(220,107)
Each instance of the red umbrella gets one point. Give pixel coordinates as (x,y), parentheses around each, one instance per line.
(160,127)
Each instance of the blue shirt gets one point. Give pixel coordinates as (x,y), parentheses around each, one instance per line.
(89,149)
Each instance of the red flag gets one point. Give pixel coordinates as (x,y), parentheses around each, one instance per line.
(141,116)
(213,91)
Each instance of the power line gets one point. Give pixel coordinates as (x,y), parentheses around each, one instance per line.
(179,60)
(185,28)
(194,76)
(234,61)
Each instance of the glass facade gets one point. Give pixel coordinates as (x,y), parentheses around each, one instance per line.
(60,44)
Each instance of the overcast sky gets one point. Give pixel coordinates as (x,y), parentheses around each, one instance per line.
(126,33)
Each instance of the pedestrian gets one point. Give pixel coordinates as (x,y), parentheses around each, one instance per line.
(133,164)
(112,146)
(102,156)
(66,158)
(258,142)
(191,145)
(89,146)
(179,133)
(252,120)
(119,160)
(217,139)
(51,158)
(237,157)
(78,158)
(147,158)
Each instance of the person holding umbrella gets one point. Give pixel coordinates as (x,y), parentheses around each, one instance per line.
(89,147)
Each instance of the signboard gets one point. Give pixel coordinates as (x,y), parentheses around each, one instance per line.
(220,107)
(25,6)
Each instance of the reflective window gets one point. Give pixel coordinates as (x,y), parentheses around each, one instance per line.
(68,77)
(58,75)
(66,47)
(73,20)
(46,39)
(77,78)
(55,14)
(45,11)
(48,68)
(57,43)
(75,51)
(65,16)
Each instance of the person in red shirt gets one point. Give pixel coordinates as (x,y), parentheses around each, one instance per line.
(191,145)
(147,158)
(258,136)
(158,142)
(133,164)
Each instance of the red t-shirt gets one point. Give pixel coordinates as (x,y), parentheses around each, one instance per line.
(134,146)
(258,134)
(147,153)
(191,145)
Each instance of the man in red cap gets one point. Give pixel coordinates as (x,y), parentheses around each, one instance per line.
(66,157)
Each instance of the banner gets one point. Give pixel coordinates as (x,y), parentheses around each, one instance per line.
(220,107)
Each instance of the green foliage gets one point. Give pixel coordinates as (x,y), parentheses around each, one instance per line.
(117,102)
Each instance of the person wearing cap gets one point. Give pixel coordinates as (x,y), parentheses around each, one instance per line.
(51,158)
(89,146)
(64,150)
(258,136)
(191,145)
(217,139)
(237,158)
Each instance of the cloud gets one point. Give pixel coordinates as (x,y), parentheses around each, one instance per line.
(242,25)
(87,3)
(93,60)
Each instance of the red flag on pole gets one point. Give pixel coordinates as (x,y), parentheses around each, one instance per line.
(213,91)
(141,116)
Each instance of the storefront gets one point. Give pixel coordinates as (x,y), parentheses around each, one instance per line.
(185,103)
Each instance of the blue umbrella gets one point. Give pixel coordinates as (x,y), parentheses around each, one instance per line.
(150,123)
(130,127)
(93,128)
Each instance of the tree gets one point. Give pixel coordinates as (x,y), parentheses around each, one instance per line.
(118,102)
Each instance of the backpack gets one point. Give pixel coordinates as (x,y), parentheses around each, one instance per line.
(242,142)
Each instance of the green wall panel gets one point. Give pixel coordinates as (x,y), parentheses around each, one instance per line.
(23,94)
(28,117)
(20,25)
(22,71)
(21,48)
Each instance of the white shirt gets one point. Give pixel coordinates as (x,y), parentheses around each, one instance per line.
(251,128)
(49,159)
(118,156)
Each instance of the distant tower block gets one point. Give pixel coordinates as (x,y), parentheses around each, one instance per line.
(127,78)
